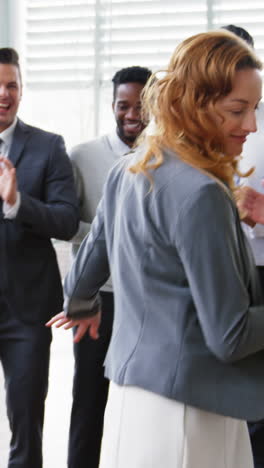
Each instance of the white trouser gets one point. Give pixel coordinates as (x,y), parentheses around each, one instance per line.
(145,430)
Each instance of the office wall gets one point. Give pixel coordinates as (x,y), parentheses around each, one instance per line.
(69,112)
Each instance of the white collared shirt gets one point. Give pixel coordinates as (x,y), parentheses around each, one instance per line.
(6,136)
(118,146)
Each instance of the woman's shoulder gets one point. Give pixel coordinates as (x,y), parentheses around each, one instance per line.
(175,172)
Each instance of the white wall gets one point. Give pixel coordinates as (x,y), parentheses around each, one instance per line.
(71,112)
(67,112)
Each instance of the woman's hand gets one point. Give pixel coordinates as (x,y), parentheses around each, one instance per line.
(83,325)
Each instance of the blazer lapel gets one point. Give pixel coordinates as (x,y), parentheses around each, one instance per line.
(21,134)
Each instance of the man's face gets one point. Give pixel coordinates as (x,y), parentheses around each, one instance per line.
(127,112)
(10,94)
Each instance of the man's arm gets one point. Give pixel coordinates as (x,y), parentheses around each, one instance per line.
(84,227)
(57,214)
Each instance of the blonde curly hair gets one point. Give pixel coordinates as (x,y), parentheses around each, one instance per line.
(200,72)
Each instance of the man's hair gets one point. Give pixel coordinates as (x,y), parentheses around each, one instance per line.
(9,56)
(131,75)
(240,32)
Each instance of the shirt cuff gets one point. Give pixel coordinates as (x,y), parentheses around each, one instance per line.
(75,308)
(10,211)
(258,230)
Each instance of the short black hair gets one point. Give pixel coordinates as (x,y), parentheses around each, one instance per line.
(240,32)
(10,56)
(133,74)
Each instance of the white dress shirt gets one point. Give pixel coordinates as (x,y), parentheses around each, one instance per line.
(6,136)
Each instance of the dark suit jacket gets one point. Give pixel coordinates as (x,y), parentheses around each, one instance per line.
(29,277)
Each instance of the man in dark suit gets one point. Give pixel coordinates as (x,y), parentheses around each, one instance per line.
(37,203)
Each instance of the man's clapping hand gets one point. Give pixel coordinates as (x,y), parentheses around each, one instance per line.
(8,183)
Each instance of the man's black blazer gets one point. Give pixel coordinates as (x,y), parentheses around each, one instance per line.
(29,276)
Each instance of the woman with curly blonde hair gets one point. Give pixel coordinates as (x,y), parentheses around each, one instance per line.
(186,355)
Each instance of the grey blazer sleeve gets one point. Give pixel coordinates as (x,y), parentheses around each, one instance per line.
(56,215)
(89,272)
(213,261)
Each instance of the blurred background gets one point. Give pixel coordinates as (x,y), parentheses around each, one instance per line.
(70,49)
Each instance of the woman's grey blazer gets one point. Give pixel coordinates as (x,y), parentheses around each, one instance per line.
(189,318)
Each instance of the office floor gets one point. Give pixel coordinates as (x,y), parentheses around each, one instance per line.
(58,403)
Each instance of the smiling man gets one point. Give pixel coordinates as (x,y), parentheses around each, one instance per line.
(91,163)
(37,203)
(126,108)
